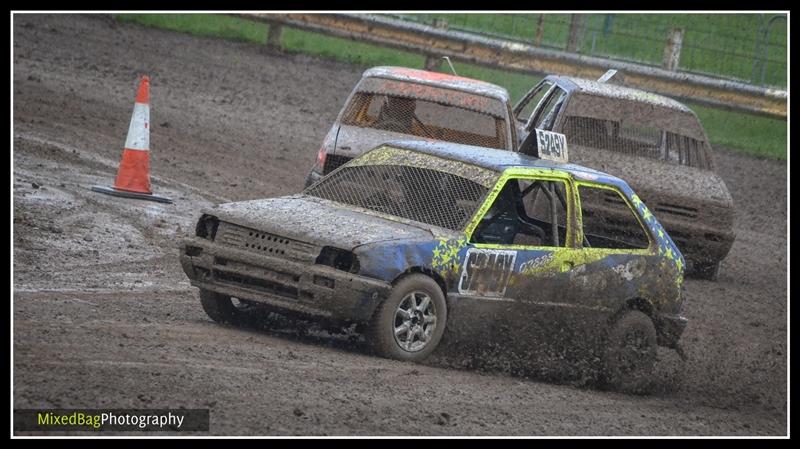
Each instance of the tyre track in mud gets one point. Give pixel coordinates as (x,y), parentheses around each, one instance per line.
(104,316)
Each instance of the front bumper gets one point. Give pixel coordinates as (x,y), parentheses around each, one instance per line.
(307,289)
(699,244)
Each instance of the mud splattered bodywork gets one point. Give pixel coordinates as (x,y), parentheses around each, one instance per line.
(338,249)
(657,144)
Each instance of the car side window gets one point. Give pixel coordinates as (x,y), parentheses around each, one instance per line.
(545,204)
(546,115)
(608,221)
(526,212)
(525,109)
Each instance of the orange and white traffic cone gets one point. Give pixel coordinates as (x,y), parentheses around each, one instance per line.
(133,176)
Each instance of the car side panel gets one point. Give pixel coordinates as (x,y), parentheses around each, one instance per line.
(569,293)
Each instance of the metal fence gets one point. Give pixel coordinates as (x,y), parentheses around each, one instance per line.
(744,47)
(517,65)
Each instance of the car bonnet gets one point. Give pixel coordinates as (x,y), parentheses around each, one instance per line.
(317,221)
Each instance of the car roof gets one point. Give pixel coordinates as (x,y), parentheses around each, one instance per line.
(616,91)
(500,160)
(437,79)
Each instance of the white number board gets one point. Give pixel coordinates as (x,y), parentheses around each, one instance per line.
(552,146)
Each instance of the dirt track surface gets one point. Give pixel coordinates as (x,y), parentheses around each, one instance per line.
(105,317)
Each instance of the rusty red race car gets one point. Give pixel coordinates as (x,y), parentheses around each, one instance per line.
(390,103)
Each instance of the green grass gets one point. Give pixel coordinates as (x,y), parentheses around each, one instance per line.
(298,41)
(207,25)
(717,44)
(754,135)
(293,40)
(750,134)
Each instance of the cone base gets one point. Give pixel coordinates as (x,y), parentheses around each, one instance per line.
(125,194)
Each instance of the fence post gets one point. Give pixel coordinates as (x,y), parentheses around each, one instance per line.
(608,24)
(757,51)
(672,51)
(274,36)
(432,62)
(539,30)
(766,46)
(575,33)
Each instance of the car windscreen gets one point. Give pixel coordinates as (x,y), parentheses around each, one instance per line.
(648,141)
(637,128)
(416,193)
(426,118)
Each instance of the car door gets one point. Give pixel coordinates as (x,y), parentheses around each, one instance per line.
(520,252)
(618,255)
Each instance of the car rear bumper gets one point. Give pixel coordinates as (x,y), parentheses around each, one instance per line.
(670,328)
(312,178)
(308,289)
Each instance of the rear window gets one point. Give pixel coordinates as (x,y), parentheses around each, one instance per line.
(635,139)
(424,118)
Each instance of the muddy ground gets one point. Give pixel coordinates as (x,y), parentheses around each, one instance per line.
(104,315)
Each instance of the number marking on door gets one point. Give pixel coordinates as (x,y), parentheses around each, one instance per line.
(486,272)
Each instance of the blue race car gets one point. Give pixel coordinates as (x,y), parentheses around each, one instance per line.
(415,238)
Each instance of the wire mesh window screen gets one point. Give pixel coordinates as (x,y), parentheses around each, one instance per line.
(635,140)
(645,135)
(420,194)
(334,161)
(608,222)
(427,119)
(641,140)
(686,151)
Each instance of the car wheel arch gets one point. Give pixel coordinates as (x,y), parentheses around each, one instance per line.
(427,272)
(639,303)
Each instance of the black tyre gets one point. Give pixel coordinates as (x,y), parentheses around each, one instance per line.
(410,323)
(706,270)
(631,353)
(220,308)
